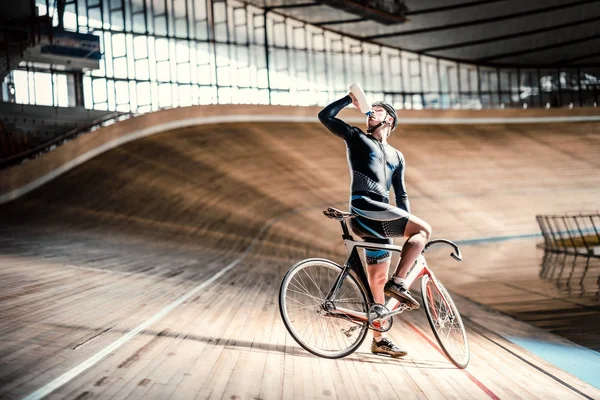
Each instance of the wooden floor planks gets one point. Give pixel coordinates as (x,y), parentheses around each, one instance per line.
(95,253)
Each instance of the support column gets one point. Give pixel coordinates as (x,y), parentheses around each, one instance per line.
(76,98)
(267,55)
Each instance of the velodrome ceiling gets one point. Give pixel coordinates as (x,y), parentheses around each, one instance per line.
(492,32)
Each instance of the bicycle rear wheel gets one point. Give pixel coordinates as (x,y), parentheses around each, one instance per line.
(445,321)
(301,304)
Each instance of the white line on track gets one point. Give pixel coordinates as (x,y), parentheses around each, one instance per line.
(93,360)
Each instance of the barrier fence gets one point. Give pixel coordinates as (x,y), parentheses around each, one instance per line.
(576,234)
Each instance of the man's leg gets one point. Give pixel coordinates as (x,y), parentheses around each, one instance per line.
(418,233)
(377,274)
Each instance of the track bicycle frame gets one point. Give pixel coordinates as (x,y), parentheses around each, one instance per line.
(354,263)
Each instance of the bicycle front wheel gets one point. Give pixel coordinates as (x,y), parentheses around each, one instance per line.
(302,299)
(445,321)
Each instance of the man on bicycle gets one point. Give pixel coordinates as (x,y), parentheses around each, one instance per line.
(375,166)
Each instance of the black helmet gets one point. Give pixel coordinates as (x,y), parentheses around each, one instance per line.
(390,110)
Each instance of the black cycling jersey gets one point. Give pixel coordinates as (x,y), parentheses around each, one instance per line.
(375,167)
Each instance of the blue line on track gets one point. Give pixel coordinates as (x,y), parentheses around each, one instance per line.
(492,239)
(577,360)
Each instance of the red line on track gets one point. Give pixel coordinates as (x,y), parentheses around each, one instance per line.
(471,377)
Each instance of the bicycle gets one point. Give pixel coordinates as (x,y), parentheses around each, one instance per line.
(339,300)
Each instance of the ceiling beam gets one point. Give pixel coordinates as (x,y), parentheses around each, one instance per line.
(509,36)
(340,21)
(297,5)
(452,7)
(578,58)
(538,49)
(480,21)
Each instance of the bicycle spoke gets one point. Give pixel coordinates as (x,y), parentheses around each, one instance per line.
(300,282)
(316,299)
(315,283)
(344,292)
(336,328)
(298,287)
(309,324)
(296,308)
(303,304)
(307,294)
(324,334)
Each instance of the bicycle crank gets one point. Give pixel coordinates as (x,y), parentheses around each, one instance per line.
(378,318)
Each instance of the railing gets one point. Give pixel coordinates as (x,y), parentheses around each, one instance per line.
(13,142)
(62,139)
(573,234)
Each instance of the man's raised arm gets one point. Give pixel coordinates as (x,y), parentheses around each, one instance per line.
(336,125)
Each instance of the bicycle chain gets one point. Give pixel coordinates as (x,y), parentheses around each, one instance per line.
(345,317)
(357,322)
(349,301)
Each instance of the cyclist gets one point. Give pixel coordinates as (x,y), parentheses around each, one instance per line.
(375,166)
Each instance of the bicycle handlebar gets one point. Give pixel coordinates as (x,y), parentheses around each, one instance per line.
(456,255)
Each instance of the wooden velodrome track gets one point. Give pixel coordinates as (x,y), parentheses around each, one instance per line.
(107,273)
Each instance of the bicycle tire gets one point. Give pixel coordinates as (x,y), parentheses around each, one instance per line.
(292,321)
(441,313)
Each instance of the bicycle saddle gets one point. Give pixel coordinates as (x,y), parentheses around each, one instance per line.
(336,214)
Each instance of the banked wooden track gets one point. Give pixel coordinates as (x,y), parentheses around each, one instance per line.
(106,247)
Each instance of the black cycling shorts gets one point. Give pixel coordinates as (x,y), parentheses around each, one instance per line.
(377,222)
